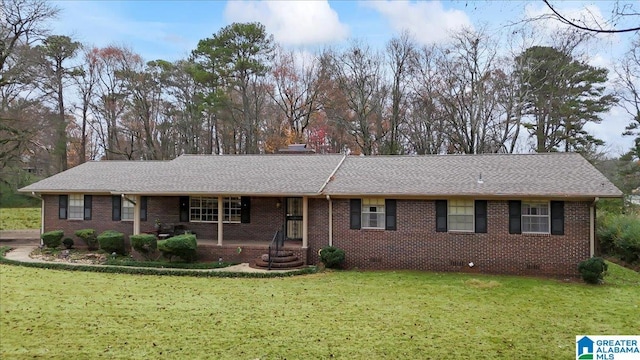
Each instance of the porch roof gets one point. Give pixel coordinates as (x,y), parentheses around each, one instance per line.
(503,175)
(198,174)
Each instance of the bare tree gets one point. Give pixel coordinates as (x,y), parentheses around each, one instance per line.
(628,72)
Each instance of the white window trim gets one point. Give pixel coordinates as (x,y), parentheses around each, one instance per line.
(449,215)
(548,216)
(69,207)
(226,210)
(126,201)
(384,215)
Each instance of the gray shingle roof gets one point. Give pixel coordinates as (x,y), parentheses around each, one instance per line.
(211,174)
(558,175)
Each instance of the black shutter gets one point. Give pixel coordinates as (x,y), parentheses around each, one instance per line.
(184,209)
(557,218)
(356,211)
(481,216)
(390,214)
(87,207)
(515,217)
(63,200)
(143,208)
(116,208)
(441,215)
(245,210)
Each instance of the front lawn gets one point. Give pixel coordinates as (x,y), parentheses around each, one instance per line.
(19,218)
(344,315)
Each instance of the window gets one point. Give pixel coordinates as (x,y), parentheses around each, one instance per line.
(373,213)
(205,209)
(461,215)
(232,209)
(127,210)
(76,206)
(535,217)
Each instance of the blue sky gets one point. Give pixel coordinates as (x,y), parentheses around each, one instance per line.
(171,29)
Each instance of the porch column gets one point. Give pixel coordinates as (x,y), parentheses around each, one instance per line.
(136,214)
(42,217)
(305,222)
(220,219)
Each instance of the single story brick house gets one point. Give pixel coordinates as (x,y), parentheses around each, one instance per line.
(494,213)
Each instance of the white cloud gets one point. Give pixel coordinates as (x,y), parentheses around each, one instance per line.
(291,22)
(584,15)
(428,21)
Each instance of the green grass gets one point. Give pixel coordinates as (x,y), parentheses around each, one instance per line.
(345,315)
(19,218)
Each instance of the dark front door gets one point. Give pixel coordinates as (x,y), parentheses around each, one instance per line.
(294,218)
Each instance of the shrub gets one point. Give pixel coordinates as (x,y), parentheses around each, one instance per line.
(183,246)
(89,238)
(145,244)
(52,239)
(112,242)
(331,256)
(619,234)
(593,270)
(68,243)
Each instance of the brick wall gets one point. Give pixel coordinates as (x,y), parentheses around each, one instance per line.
(265,219)
(417,245)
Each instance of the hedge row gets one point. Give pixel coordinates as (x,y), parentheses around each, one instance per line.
(619,235)
(149,271)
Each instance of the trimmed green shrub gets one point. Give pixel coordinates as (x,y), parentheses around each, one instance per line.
(112,242)
(52,239)
(68,243)
(145,244)
(332,257)
(183,246)
(593,270)
(89,238)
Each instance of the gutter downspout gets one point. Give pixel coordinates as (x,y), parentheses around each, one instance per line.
(33,193)
(329,198)
(592,228)
(330,220)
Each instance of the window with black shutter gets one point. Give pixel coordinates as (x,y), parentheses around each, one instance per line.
(480,216)
(515,210)
(87,206)
(557,218)
(390,214)
(116,204)
(63,201)
(441,215)
(143,208)
(184,209)
(355,212)
(245,210)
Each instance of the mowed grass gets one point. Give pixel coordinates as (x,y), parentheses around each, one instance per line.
(54,314)
(19,218)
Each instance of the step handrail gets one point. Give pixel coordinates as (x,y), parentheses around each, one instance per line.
(276,243)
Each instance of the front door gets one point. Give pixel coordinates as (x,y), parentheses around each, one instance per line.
(294,218)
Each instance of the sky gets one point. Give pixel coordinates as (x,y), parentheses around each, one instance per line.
(169,30)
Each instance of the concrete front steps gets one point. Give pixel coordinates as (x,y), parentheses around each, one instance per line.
(280,260)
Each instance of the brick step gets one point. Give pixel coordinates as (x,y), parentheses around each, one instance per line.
(265,257)
(279,265)
(282,253)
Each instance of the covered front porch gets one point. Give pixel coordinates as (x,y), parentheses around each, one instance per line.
(228,228)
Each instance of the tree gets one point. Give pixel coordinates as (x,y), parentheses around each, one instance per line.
(563,94)
(629,78)
(235,59)
(401,53)
(55,51)
(619,12)
(357,101)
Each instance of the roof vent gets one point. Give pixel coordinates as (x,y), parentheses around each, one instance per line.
(480,181)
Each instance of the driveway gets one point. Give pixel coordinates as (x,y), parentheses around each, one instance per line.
(20,237)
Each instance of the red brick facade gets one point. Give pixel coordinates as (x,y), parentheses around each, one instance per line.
(414,245)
